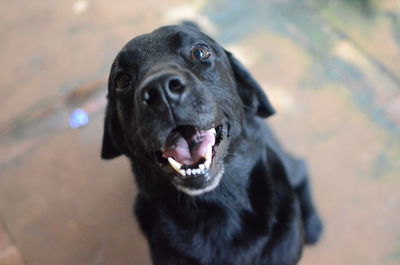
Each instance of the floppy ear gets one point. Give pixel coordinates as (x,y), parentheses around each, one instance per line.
(249,90)
(110,148)
(112,130)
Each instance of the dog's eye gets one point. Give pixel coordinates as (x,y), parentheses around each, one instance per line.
(123,81)
(200,52)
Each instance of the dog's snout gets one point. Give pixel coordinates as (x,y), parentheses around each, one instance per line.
(167,88)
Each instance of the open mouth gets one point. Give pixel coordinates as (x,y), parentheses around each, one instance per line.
(193,157)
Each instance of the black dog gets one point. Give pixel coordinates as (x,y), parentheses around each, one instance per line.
(214,185)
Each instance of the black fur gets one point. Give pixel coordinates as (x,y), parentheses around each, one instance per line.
(261,212)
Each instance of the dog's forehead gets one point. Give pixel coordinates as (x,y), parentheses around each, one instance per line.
(163,41)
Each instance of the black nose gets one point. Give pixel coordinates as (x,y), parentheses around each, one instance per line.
(163,88)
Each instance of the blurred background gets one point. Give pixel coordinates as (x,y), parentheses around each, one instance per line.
(331,69)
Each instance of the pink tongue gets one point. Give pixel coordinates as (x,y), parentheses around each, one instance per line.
(189,146)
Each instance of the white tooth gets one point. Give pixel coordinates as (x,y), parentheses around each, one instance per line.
(182,172)
(213,131)
(207,164)
(175,165)
(188,172)
(208,156)
(198,171)
(194,172)
(202,167)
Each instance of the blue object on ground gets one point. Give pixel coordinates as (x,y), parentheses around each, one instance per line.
(78,118)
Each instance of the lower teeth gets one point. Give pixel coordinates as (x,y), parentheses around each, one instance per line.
(201,169)
(193,171)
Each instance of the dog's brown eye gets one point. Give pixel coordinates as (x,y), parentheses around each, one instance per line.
(123,81)
(200,52)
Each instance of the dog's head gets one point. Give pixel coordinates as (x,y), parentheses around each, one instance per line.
(177,99)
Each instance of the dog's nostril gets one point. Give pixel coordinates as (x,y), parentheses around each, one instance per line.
(176,85)
(149,96)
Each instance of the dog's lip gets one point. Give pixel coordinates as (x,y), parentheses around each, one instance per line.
(211,183)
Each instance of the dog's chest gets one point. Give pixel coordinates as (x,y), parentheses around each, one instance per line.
(212,236)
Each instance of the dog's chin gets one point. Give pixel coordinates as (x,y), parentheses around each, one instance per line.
(201,173)
(199,184)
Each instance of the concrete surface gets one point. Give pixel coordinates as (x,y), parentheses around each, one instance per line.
(331,68)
